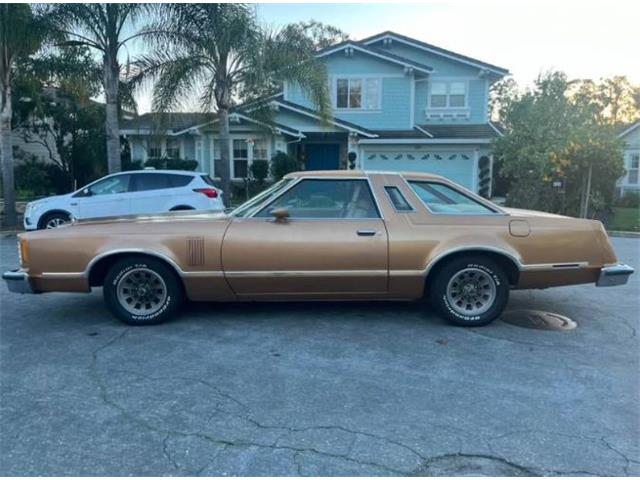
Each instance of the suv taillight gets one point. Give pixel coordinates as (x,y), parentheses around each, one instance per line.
(209,192)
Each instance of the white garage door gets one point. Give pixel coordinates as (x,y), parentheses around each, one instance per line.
(456,166)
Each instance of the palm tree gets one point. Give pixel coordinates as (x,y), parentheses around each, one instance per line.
(20,35)
(222,53)
(105,28)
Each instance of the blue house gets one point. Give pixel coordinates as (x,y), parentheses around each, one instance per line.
(399,104)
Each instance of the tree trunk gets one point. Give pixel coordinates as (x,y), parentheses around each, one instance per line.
(111,78)
(584,210)
(225,148)
(6,150)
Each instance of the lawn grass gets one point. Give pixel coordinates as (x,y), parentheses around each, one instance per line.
(625,219)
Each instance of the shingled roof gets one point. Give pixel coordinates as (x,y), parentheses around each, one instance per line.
(173,122)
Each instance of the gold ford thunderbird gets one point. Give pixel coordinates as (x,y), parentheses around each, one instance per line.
(341,235)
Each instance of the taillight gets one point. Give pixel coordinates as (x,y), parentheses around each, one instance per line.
(209,192)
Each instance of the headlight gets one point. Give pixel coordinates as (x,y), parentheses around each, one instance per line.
(32,208)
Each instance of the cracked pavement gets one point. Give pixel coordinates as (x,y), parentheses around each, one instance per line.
(320,388)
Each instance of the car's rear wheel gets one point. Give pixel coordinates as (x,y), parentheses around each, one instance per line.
(470,291)
(54,220)
(142,290)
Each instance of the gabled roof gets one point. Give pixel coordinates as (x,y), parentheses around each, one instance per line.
(165,121)
(313,114)
(628,129)
(243,116)
(375,52)
(436,50)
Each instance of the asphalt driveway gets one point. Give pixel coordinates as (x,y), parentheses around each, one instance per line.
(320,389)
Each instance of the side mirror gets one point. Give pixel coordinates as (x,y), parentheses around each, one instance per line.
(280,214)
(86,192)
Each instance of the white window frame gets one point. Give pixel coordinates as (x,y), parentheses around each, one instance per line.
(363,102)
(631,155)
(250,139)
(447,83)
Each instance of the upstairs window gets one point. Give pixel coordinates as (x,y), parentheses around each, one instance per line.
(448,95)
(357,93)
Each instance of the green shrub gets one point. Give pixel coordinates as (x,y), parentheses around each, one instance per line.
(260,170)
(31,176)
(629,200)
(282,164)
(171,164)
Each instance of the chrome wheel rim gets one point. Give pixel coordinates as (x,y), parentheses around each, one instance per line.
(471,292)
(141,291)
(55,222)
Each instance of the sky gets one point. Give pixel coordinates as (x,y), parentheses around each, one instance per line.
(585,39)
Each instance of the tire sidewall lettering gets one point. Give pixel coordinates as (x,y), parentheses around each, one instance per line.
(117,279)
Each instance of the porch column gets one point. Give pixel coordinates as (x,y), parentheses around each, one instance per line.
(490,175)
(476,159)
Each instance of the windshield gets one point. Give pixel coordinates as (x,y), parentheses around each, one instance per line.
(247,207)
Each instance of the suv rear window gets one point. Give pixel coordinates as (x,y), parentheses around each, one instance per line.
(208,180)
(158,181)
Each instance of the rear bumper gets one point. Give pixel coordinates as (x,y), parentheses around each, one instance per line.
(17,281)
(614,275)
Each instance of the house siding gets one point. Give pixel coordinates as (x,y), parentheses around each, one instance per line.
(395,111)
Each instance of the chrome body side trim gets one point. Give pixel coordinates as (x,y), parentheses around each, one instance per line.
(499,251)
(179,271)
(543,267)
(614,275)
(307,273)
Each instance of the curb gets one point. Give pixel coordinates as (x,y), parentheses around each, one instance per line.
(614,233)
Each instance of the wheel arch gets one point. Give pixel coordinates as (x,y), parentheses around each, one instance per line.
(507,261)
(48,213)
(181,207)
(98,267)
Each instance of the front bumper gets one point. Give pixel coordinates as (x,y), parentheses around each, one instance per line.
(17,281)
(614,275)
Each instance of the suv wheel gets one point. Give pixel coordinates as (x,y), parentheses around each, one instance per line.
(54,220)
(470,291)
(142,291)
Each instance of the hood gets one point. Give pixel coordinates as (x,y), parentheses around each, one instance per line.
(532,213)
(52,198)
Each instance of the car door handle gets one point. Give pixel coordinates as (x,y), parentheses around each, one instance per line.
(366,233)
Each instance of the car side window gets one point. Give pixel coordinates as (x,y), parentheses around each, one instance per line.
(328,199)
(111,185)
(150,181)
(397,199)
(441,198)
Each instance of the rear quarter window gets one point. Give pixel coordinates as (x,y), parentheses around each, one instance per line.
(443,199)
(176,180)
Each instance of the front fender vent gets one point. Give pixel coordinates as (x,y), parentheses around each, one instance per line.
(195,251)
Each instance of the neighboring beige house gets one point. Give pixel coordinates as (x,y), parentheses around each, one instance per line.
(629,182)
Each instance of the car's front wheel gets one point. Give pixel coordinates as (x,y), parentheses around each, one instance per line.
(142,290)
(470,291)
(54,220)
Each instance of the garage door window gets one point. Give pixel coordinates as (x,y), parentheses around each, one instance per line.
(440,198)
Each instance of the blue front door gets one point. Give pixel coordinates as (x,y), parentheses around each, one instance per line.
(323,156)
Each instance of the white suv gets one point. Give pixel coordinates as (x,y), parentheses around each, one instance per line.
(127,193)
